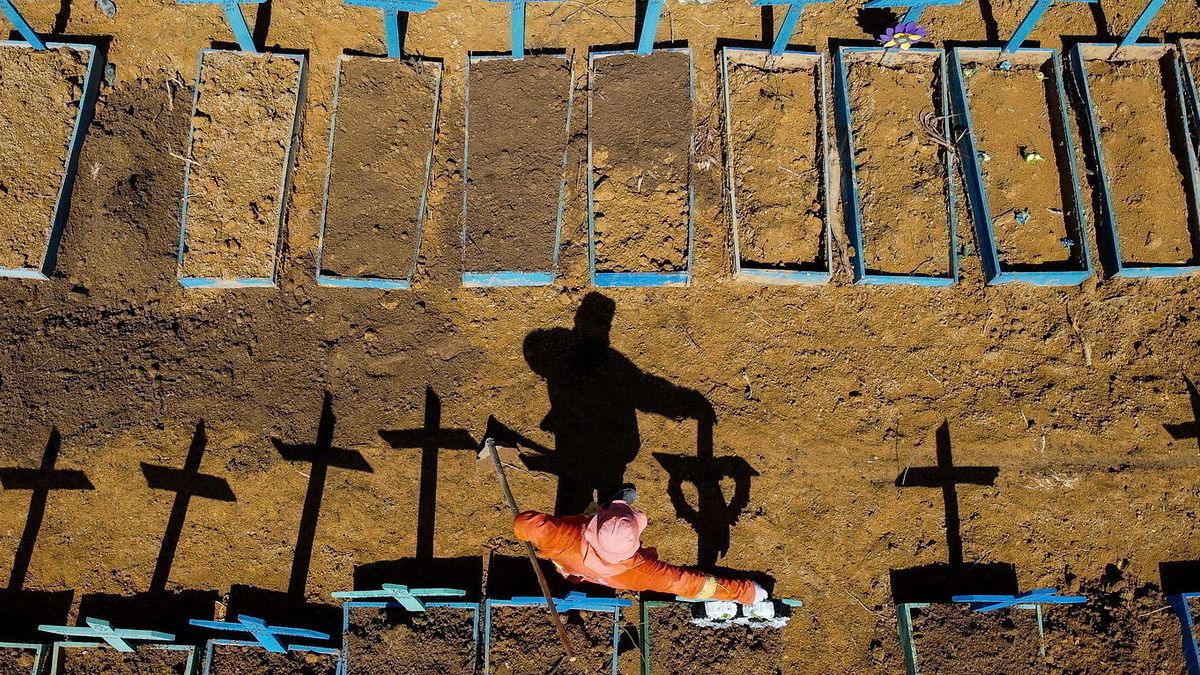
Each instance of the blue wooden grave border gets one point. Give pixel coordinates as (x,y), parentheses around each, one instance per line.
(348,607)
(83,116)
(382,283)
(575,600)
(508,277)
(985,231)
(57,648)
(787,59)
(644,618)
(625,279)
(38,649)
(850,201)
(391,18)
(1187,625)
(1031,19)
(211,646)
(1189,85)
(1106,222)
(285,181)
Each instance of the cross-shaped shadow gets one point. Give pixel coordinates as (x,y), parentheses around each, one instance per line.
(321,455)
(1191,429)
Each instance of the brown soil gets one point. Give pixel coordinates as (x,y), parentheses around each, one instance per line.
(17,661)
(1010,120)
(679,647)
(518,136)
(1148,188)
(385,132)
(954,640)
(524,641)
(39,103)
(641,132)
(1194,604)
(777,154)
(106,661)
(395,642)
(229,660)
(241,133)
(901,173)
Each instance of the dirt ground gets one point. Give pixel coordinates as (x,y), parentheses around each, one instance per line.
(394,642)
(678,646)
(17,661)
(38,109)
(525,642)
(900,171)
(955,640)
(827,393)
(111,662)
(256,661)
(381,148)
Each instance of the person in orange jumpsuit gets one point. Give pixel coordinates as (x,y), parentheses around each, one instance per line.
(605,548)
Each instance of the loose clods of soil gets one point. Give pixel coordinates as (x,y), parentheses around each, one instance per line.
(1142,139)
(233,660)
(516,146)
(1011,117)
(108,661)
(40,96)
(680,647)
(241,137)
(900,170)
(956,640)
(397,642)
(778,177)
(640,126)
(382,142)
(17,661)
(524,641)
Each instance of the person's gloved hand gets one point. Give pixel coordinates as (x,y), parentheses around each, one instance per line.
(760,593)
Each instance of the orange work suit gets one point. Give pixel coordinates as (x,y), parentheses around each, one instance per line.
(560,539)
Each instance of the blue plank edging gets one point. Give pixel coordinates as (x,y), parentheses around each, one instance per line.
(1106,219)
(627,279)
(1187,625)
(381,283)
(285,181)
(995,271)
(57,648)
(83,117)
(851,204)
(348,607)
(211,645)
(475,278)
(784,58)
(570,602)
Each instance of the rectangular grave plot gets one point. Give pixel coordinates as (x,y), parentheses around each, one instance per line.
(951,639)
(676,646)
(777,163)
(90,658)
(386,639)
(521,639)
(46,99)
(245,119)
(380,160)
(518,120)
(640,144)
(1144,158)
(20,658)
(1011,117)
(232,657)
(897,188)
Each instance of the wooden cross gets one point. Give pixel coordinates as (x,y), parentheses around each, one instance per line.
(186,483)
(265,635)
(1188,429)
(117,638)
(40,481)
(408,598)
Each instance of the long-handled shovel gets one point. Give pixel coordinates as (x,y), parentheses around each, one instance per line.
(489,447)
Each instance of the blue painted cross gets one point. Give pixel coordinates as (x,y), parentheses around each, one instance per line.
(1038,596)
(1143,21)
(409,598)
(1035,14)
(391,18)
(517,13)
(22,26)
(237,21)
(117,638)
(915,7)
(649,26)
(790,20)
(266,636)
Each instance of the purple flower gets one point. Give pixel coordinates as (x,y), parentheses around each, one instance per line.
(903,35)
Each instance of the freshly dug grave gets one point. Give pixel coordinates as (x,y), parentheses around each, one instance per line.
(108,661)
(524,641)
(901,172)
(1141,135)
(640,126)
(232,660)
(516,147)
(382,142)
(17,661)
(779,183)
(396,642)
(39,101)
(954,640)
(241,134)
(1011,116)
(680,647)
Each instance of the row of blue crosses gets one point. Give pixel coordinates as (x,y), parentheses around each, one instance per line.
(649,26)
